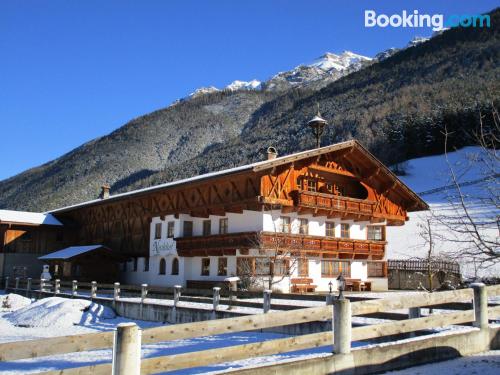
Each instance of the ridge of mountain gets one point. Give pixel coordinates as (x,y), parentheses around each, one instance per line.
(397,107)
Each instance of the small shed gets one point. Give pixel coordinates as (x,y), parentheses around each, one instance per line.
(85,263)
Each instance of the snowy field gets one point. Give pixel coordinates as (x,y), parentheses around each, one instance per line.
(23,319)
(56,316)
(428,173)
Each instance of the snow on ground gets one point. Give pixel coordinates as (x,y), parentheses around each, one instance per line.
(58,312)
(99,321)
(487,363)
(61,318)
(425,174)
(12,302)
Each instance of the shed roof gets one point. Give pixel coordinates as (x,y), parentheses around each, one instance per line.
(72,251)
(30,218)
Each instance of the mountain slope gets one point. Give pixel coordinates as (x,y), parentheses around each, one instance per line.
(397,107)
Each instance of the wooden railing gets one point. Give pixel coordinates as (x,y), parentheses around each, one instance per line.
(341,315)
(334,203)
(225,243)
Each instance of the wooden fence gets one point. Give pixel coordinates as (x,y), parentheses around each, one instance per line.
(126,340)
(411,274)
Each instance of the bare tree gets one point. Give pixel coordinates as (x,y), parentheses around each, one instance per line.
(434,263)
(277,257)
(472,216)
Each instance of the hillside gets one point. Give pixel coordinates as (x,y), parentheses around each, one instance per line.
(430,177)
(397,107)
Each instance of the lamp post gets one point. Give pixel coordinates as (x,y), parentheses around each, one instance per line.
(317,124)
(341,286)
(330,286)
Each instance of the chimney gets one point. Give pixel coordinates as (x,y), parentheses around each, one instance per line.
(271,153)
(104,191)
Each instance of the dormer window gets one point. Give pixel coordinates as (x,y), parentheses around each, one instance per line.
(310,185)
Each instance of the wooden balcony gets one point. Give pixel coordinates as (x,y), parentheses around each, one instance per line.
(226,244)
(334,205)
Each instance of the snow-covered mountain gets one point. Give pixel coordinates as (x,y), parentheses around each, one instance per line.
(315,74)
(320,72)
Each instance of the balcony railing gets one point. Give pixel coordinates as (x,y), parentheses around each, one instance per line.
(278,241)
(334,203)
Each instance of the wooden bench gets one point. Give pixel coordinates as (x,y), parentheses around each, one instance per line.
(302,284)
(358,285)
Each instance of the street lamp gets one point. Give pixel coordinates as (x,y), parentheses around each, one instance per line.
(330,286)
(317,124)
(341,286)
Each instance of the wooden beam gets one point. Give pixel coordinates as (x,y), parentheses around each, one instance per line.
(234,353)
(411,325)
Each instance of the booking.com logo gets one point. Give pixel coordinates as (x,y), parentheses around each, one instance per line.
(415,19)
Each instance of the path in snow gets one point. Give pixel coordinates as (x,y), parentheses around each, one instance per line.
(487,363)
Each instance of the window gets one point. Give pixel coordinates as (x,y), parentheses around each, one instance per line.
(376,269)
(205,267)
(163,267)
(135,265)
(146,264)
(285,224)
(281,267)
(311,185)
(262,266)
(157,231)
(375,232)
(333,268)
(344,230)
(330,229)
(329,187)
(188,229)
(244,266)
(303,267)
(304,226)
(207,227)
(170,229)
(223,226)
(222,267)
(175,266)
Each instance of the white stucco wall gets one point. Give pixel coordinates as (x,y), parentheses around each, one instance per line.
(190,267)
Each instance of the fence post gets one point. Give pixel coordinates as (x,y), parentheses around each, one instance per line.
(414,312)
(329,299)
(6,283)
(116,294)
(93,289)
(177,294)
(127,350)
(216,298)
(42,287)
(480,306)
(144,293)
(342,332)
(28,287)
(74,288)
(57,286)
(16,285)
(267,301)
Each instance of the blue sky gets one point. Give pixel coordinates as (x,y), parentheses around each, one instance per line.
(71,71)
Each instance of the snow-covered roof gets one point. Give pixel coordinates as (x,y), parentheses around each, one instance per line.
(31,218)
(71,252)
(257,166)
